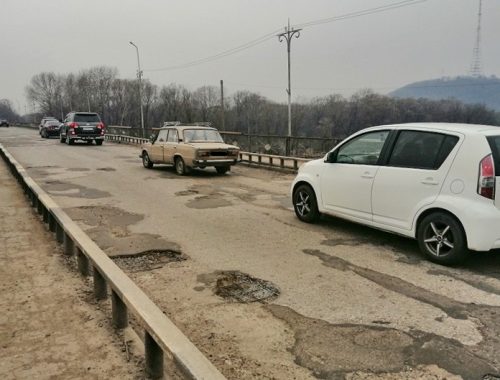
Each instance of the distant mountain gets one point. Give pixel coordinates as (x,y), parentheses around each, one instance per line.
(483,90)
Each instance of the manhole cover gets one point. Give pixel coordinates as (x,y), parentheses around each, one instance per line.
(147,260)
(240,287)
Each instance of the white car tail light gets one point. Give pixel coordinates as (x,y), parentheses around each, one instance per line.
(486,180)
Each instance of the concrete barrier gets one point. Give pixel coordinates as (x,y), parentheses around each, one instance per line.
(161,335)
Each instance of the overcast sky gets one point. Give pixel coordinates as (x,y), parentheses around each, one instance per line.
(380,51)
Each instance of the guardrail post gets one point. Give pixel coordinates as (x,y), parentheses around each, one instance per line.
(69,246)
(260,160)
(282,162)
(270,161)
(39,207)
(100,287)
(295,165)
(154,357)
(45,215)
(32,198)
(83,262)
(119,309)
(52,223)
(59,233)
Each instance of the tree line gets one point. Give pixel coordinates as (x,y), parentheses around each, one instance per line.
(7,111)
(99,89)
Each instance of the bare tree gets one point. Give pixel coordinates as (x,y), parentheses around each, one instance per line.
(42,91)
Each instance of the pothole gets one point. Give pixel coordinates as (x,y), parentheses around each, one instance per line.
(148,260)
(208,201)
(186,192)
(236,286)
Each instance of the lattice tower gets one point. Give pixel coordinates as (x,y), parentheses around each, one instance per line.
(476,68)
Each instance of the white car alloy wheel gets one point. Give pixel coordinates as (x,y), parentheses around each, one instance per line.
(304,204)
(442,239)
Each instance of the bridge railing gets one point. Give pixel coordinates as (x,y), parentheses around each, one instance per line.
(250,158)
(295,146)
(160,334)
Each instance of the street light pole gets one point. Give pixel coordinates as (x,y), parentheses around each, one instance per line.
(139,77)
(287,35)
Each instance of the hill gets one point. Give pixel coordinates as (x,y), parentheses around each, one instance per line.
(483,90)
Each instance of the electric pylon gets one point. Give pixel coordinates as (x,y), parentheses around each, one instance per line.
(476,69)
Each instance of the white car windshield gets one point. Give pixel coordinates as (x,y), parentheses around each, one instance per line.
(202,135)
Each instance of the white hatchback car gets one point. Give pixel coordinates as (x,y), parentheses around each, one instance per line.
(435,182)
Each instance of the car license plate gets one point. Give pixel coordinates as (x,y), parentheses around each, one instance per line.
(88,128)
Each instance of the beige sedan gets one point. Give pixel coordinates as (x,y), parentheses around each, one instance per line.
(186,147)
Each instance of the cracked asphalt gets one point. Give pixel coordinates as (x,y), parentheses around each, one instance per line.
(353,303)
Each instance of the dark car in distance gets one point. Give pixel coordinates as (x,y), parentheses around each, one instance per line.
(83,126)
(42,122)
(50,128)
(4,123)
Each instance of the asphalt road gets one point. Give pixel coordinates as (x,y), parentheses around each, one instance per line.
(262,294)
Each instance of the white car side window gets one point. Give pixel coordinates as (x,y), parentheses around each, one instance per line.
(362,150)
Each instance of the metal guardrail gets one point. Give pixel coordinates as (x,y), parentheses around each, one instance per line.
(298,146)
(267,160)
(126,139)
(272,161)
(160,334)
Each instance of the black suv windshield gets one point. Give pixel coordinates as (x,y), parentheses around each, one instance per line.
(87,118)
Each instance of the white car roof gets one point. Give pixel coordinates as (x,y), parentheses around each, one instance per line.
(465,129)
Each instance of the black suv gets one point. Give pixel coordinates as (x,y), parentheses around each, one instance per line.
(86,126)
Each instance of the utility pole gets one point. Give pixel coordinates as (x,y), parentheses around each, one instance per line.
(287,35)
(139,77)
(222,105)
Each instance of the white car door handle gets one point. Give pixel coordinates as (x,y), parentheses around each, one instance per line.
(367,175)
(429,181)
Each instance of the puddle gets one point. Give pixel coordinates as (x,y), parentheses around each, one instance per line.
(107,169)
(148,260)
(235,286)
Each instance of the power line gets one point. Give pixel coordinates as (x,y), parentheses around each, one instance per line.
(365,12)
(451,85)
(223,54)
(272,34)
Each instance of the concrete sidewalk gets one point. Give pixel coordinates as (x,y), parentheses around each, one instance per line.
(50,327)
